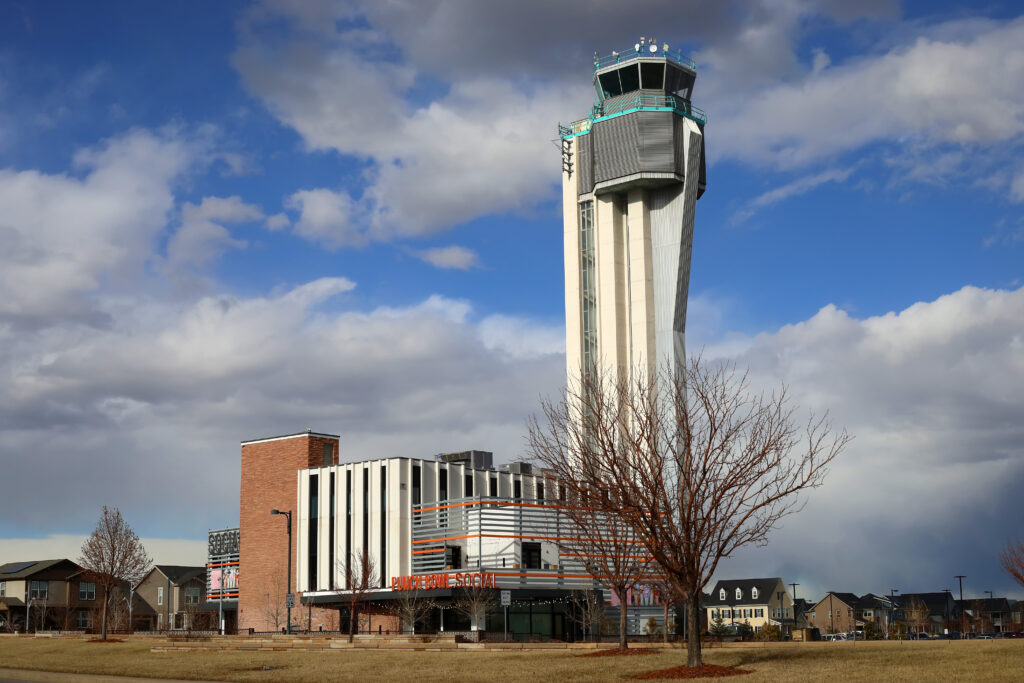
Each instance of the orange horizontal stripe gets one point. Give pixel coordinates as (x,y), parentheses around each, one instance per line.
(486,502)
(543,538)
(631,557)
(222,564)
(429,550)
(550,576)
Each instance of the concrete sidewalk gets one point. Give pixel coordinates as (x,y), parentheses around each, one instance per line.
(21,675)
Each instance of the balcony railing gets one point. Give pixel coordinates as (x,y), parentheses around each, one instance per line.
(638,102)
(674,56)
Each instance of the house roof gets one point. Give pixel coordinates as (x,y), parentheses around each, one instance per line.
(849,599)
(179,574)
(935,602)
(765,588)
(12,571)
(872,601)
(988,605)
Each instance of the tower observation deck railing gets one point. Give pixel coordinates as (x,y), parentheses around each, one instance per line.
(627,104)
(674,56)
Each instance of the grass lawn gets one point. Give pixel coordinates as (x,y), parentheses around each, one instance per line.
(994,660)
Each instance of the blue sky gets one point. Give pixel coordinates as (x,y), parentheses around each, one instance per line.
(224,220)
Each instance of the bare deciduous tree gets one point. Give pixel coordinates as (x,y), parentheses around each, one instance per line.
(696,464)
(274,607)
(360,573)
(410,608)
(587,611)
(1012,560)
(604,543)
(474,602)
(917,614)
(113,555)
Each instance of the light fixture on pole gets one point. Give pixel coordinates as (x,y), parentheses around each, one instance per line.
(289,599)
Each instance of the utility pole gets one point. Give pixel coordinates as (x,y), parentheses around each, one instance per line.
(961,577)
(794,585)
(892,609)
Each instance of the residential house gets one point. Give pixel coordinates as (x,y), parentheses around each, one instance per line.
(59,595)
(835,613)
(931,613)
(173,597)
(876,609)
(754,602)
(986,615)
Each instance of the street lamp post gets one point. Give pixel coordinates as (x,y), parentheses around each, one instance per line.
(288,514)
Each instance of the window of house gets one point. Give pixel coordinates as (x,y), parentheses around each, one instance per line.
(83,619)
(715,613)
(759,612)
(753,592)
(86,591)
(467,485)
(160,595)
(39,590)
(192,595)
(721,594)
(739,594)
(328,454)
(540,491)
(3,588)
(747,613)
(494,487)
(531,555)
(726,614)
(517,489)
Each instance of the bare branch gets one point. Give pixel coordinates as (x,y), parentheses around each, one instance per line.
(689,465)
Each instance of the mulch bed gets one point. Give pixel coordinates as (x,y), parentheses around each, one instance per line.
(108,640)
(620,652)
(703,671)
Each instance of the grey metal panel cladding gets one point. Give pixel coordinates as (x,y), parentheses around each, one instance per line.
(616,148)
(585,163)
(634,143)
(656,136)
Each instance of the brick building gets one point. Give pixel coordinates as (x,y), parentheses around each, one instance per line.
(269,480)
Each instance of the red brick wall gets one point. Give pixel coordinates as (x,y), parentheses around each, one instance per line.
(269,480)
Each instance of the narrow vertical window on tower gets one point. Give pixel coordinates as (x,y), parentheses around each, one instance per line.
(314,507)
(588,289)
(348,520)
(383,524)
(332,533)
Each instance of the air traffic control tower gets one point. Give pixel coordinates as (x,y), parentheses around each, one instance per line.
(632,172)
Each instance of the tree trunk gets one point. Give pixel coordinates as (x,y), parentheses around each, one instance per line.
(693,655)
(351,623)
(664,622)
(621,595)
(106,599)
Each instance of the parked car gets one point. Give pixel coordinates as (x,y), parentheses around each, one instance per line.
(984,636)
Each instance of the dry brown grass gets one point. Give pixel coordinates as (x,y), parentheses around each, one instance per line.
(938,660)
